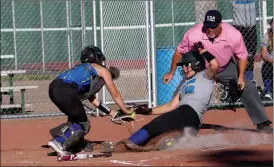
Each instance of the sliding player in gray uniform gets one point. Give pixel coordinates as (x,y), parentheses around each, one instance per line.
(186,109)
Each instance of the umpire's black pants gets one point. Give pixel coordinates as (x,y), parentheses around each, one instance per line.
(65,97)
(250,97)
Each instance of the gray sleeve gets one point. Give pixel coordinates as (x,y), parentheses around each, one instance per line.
(264,42)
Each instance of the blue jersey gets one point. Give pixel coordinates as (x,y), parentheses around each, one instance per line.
(82,75)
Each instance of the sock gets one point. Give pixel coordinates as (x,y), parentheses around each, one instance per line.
(267,85)
(249,75)
(139,137)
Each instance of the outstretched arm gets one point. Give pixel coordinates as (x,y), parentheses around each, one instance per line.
(173,104)
(115,94)
(103,107)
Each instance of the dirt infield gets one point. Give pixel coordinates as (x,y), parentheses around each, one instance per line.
(21,142)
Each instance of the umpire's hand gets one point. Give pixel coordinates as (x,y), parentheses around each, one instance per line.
(167,78)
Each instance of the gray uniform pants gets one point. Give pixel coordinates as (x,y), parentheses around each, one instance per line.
(250,97)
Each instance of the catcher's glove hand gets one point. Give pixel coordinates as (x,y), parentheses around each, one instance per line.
(120,117)
(115,72)
(143,109)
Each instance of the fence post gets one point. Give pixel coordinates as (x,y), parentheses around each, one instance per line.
(42,35)
(264,16)
(68,32)
(102,43)
(83,21)
(153,53)
(14,34)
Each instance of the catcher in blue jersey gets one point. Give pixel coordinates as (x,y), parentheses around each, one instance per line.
(73,86)
(186,109)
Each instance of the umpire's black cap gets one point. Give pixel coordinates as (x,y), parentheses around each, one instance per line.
(212,19)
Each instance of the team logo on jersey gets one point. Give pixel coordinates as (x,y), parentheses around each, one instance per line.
(226,46)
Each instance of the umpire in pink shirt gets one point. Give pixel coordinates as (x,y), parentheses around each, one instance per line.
(226,43)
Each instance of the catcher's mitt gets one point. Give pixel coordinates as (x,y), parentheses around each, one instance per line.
(115,72)
(120,117)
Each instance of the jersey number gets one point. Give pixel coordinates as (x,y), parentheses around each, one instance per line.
(189,89)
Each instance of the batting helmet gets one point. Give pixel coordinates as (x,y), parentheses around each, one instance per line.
(194,59)
(92,54)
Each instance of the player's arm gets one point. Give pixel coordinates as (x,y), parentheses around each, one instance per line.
(214,64)
(101,106)
(264,51)
(115,94)
(173,104)
(264,55)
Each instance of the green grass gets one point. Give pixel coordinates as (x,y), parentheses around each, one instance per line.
(38,77)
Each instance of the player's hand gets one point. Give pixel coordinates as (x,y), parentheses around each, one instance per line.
(241,83)
(198,46)
(167,78)
(143,109)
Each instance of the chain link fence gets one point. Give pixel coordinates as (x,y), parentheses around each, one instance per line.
(40,39)
(249,17)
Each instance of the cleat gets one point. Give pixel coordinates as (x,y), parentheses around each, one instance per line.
(166,144)
(265,127)
(56,146)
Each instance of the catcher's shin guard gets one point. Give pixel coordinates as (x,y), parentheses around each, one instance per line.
(69,135)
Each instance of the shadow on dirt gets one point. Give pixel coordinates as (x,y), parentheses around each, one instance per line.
(224,128)
(240,157)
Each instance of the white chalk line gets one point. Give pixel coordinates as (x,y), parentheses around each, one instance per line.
(133,163)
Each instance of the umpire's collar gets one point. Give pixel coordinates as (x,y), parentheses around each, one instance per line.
(222,37)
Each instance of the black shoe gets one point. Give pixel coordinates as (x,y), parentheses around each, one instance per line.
(265,127)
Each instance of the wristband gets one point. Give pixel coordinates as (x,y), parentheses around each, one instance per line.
(104,108)
(208,56)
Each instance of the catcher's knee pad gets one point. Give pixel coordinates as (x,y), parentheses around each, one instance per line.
(86,126)
(68,134)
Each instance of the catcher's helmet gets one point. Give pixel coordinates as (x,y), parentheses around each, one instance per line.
(92,54)
(194,59)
